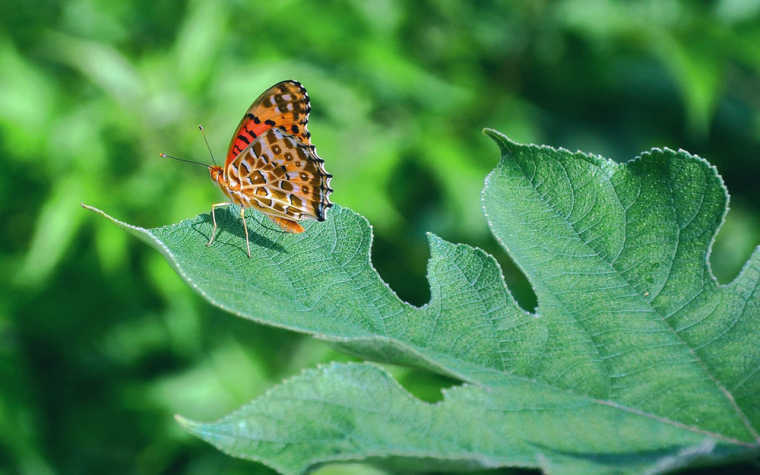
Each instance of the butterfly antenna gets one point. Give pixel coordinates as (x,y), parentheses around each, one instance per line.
(203,134)
(166,155)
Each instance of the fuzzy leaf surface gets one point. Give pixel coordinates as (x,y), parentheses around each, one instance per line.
(635,360)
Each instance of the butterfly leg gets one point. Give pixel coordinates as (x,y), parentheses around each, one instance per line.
(213,218)
(245,228)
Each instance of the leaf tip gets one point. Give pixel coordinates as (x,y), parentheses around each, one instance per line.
(438,246)
(505,144)
(493,133)
(95,210)
(134,229)
(187,424)
(432,237)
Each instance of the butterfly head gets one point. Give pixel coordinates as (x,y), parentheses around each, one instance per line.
(216,173)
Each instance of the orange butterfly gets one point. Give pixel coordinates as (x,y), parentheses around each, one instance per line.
(271,164)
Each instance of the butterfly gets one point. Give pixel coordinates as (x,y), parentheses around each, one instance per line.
(271,164)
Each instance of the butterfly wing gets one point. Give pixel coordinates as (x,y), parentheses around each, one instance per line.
(282,177)
(284,106)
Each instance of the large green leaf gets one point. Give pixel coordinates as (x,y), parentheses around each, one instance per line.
(636,359)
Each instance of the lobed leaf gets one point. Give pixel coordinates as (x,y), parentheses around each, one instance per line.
(636,358)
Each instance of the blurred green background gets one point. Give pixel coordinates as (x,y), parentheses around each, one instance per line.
(100,341)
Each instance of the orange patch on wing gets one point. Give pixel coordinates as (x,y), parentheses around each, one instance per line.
(284,106)
(288,225)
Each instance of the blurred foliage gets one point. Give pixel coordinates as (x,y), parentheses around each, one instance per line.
(100,342)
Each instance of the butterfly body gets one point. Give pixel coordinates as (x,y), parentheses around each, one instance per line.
(271,164)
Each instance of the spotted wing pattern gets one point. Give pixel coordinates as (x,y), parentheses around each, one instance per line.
(282,177)
(284,106)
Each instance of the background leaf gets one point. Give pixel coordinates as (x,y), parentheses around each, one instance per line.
(635,359)
(96,332)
